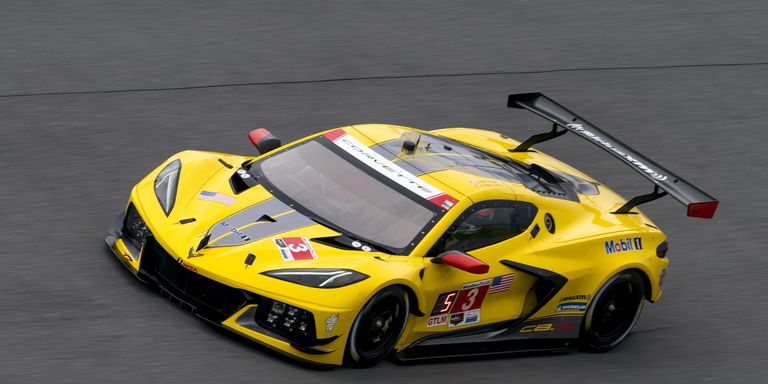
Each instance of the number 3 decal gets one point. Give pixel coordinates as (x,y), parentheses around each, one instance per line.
(470,299)
(298,247)
(295,248)
(471,296)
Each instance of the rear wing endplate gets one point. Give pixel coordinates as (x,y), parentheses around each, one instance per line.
(699,203)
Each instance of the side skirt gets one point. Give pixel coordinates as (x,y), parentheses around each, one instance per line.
(523,335)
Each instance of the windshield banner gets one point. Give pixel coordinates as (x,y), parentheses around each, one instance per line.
(390,170)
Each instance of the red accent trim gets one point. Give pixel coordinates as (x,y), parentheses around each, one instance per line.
(705,210)
(335,134)
(444,201)
(258,135)
(465,263)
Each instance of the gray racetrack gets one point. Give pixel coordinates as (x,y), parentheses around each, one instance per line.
(69,313)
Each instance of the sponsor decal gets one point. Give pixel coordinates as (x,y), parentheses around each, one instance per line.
(443,201)
(578,128)
(390,170)
(262,220)
(547,327)
(624,245)
(193,254)
(330,322)
(456,319)
(295,248)
(501,283)
(187,265)
(217,197)
(444,302)
(234,230)
(243,174)
(434,321)
(661,277)
(362,246)
(575,298)
(472,317)
(485,183)
(580,306)
(464,318)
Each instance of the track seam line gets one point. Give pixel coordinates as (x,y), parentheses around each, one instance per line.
(390,77)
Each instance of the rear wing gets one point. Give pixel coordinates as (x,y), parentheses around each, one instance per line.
(699,203)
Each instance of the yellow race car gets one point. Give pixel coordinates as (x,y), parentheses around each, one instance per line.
(369,240)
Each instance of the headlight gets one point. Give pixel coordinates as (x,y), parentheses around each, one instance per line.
(166,183)
(135,229)
(296,324)
(318,277)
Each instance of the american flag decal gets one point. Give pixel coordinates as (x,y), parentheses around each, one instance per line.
(217,197)
(501,283)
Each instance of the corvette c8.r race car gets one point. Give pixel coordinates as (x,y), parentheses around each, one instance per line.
(369,240)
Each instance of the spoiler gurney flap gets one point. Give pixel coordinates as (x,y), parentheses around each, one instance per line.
(699,203)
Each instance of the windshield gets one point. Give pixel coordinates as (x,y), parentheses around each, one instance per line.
(340,193)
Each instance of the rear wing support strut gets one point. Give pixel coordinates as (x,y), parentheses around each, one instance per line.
(699,203)
(642,199)
(540,137)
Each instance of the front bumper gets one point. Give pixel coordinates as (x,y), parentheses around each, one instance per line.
(220,304)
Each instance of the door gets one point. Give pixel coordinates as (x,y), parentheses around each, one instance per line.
(489,231)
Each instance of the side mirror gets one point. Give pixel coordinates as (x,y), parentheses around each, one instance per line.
(263,140)
(462,261)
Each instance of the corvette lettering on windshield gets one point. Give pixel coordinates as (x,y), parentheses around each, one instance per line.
(389,169)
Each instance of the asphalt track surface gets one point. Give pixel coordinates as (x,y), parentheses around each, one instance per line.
(93,95)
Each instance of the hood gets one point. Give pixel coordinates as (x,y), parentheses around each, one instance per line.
(220,228)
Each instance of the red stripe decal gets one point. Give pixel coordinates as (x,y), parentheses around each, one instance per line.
(334,135)
(444,201)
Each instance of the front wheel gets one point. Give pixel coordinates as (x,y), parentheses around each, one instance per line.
(377,327)
(613,313)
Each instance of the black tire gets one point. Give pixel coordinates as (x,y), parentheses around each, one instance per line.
(613,313)
(377,327)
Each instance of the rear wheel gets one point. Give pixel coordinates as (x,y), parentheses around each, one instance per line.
(377,327)
(613,313)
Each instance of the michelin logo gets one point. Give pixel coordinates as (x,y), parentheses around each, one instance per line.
(572,307)
(624,245)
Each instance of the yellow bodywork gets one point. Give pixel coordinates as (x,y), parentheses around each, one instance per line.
(577,249)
